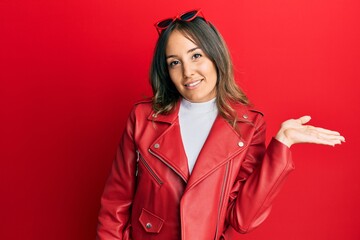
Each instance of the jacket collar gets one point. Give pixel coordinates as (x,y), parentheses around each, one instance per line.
(168,118)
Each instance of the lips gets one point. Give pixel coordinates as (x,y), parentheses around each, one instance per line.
(192,84)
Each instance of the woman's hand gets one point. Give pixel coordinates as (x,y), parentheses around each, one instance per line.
(294,131)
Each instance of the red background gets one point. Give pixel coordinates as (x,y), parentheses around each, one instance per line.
(71,70)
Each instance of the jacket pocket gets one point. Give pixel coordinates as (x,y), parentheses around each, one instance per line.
(150,222)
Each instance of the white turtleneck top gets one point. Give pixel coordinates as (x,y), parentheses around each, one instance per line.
(196,120)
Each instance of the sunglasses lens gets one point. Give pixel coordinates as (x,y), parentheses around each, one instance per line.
(186,17)
(189,15)
(165,23)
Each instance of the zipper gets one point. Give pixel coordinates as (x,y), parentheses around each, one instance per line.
(167,164)
(222,199)
(137,163)
(152,173)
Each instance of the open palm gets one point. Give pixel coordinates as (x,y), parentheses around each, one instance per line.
(294,131)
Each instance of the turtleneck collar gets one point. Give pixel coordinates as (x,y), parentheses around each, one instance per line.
(201,107)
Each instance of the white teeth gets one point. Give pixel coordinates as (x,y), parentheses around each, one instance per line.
(193,84)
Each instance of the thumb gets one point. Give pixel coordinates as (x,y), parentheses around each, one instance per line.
(304,119)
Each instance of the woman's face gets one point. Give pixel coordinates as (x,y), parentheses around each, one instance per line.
(192,72)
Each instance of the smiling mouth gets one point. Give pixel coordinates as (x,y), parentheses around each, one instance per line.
(193,84)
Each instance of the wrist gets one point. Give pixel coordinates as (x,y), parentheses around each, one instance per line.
(281,137)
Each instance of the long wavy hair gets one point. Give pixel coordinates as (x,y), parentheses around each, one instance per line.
(205,36)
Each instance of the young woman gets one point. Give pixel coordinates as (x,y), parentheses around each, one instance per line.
(192,162)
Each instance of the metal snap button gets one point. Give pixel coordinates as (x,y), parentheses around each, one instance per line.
(148,225)
(241,144)
(156,145)
(245,116)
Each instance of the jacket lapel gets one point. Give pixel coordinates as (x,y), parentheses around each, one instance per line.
(222,143)
(168,147)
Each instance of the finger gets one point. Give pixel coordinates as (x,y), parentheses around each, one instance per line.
(330,137)
(303,119)
(325,133)
(313,136)
(323,130)
(333,142)
(329,142)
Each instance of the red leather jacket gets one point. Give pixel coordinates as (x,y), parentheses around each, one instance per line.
(151,195)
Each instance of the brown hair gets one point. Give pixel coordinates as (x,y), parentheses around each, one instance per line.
(205,35)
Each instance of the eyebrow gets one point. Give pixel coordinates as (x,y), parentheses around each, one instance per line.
(191,50)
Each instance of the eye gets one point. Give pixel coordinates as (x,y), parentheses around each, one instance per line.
(174,63)
(196,56)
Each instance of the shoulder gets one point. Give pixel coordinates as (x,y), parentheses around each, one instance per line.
(246,110)
(143,104)
(144,101)
(141,108)
(249,114)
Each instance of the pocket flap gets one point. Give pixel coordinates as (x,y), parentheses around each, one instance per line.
(150,222)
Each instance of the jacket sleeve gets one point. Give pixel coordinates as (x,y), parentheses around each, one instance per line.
(259,181)
(113,220)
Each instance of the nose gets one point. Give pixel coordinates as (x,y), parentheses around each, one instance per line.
(188,69)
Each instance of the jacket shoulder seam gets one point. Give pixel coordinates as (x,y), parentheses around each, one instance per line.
(256,111)
(146,100)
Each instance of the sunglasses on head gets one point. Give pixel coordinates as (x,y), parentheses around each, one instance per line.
(186,17)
